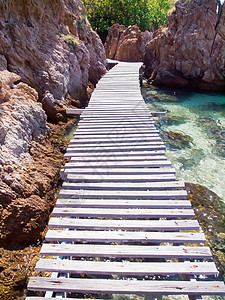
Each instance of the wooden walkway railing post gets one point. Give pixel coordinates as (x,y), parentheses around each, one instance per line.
(121,212)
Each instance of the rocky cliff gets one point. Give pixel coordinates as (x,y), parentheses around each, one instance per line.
(51,46)
(180,52)
(48,54)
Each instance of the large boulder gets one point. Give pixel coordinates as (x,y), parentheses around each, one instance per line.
(51,46)
(22,122)
(126,44)
(182,52)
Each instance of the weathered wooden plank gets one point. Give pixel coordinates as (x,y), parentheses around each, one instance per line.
(136,154)
(115,203)
(104,286)
(106,137)
(102,149)
(121,144)
(121,194)
(119,178)
(126,268)
(82,250)
(128,114)
(117,126)
(122,213)
(105,224)
(115,132)
(106,120)
(125,237)
(119,164)
(121,171)
(117,142)
(150,186)
(115,136)
(72,111)
(114,158)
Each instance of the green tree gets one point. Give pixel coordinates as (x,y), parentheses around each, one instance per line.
(146,14)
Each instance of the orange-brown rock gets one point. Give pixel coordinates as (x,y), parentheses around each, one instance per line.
(29,164)
(126,44)
(51,46)
(179,53)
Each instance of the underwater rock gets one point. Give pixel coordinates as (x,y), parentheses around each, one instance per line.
(215,132)
(176,140)
(171,120)
(210,212)
(191,159)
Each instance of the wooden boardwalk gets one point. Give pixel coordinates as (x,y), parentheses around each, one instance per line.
(122,223)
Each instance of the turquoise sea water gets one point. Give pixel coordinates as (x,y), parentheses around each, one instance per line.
(196,139)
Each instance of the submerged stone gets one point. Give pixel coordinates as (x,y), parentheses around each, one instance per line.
(176,140)
(215,132)
(210,212)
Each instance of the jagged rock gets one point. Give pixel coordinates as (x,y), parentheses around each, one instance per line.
(126,44)
(51,46)
(112,40)
(221,25)
(179,53)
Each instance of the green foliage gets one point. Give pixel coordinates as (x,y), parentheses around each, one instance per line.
(146,14)
(69,39)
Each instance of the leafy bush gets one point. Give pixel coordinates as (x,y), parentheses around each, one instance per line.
(146,14)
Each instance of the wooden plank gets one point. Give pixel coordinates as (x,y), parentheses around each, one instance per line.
(112,136)
(121,171)
(124,237)
(119,178)
(104,224)
(118,128)
(116,132)
(125,134)
(124,114)
(119,136)
(117,141)
(72,111)
(114,158)
(111,159)
(115,203)
(118,144)
(119,164)
(103,149)
(121,194)
(126,268)
(82,250)
(104,286)
(150,186)
(122,213)
(121,125)
(106,120)
(135,154)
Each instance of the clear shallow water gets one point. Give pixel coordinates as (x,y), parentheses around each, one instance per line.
(198,152)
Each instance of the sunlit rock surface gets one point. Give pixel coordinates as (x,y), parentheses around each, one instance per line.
(182,53)
(51,45)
